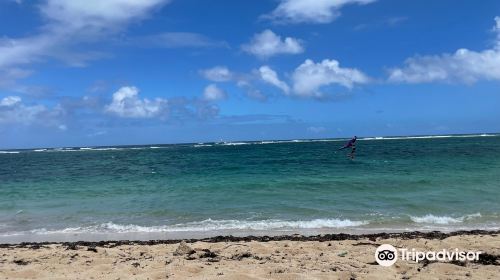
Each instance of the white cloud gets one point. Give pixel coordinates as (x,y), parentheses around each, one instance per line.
(267,44)
(461,66)
(270,76)
(97,14)
(127,104)
(223,74)
(306,80)
(309,77)
(307,11)
(242,80)
(15,52)
(213,93)
(69,23)
(10,101)
(217,74)
(14,111)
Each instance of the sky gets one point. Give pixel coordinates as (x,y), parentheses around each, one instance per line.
(119,72)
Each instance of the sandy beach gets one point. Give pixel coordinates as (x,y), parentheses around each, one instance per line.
(336,256)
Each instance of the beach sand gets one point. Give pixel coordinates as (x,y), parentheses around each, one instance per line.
(334,256)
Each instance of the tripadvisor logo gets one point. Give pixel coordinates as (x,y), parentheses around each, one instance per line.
(387,255)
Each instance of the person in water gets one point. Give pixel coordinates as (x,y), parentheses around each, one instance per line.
(351,144)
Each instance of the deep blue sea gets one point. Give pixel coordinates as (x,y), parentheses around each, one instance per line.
(158,191)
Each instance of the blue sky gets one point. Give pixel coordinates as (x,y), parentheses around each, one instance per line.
(82,73)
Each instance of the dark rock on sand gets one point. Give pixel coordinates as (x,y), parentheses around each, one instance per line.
(241,256)
(206,253)
(92,249)
(21,262)
(488,259)
(71,246)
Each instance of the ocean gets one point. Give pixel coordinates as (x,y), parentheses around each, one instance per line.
(266,187)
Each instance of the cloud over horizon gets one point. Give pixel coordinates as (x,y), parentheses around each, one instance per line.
(462,66)
(14,111)
(126,103)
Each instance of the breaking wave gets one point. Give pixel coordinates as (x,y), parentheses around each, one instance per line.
(9,152)
(204,226)
(427,137)
(443,220)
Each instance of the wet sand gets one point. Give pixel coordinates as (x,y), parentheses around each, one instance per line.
(329,256)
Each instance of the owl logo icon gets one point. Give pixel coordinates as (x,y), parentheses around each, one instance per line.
(386,255)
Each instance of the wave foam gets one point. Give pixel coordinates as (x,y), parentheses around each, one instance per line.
(9,152)
(206,225)
(235,143)
(427,137)
(443,220)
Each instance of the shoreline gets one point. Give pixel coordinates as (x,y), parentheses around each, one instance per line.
(430,235)
(326,256)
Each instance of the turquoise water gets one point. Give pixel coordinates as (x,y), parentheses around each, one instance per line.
(426,183)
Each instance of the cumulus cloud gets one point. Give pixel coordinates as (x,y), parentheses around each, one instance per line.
(213,93)
(126,103)
(309,77)
(306,80)
(306,11)
(126,107)
(245,81)
(224,74)
(217,74)
(461,66)
(267,44)
(14,111)
(270,76)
